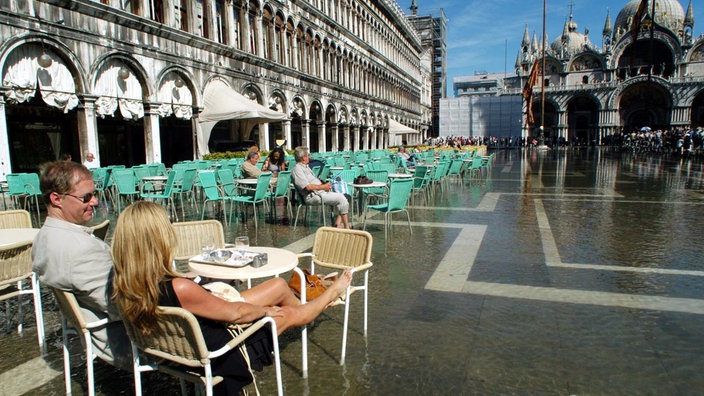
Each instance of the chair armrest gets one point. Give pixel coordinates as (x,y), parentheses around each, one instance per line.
(97,324)
(244,335)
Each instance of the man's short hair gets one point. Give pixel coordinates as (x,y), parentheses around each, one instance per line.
(61,177)
(300,152)
(252,154)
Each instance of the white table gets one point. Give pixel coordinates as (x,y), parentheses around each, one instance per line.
(11,236)
(400,175)
(278,262)
(157,183)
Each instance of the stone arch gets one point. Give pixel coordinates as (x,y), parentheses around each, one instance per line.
(48,43)
(583,119)
(645,103)
(697,119)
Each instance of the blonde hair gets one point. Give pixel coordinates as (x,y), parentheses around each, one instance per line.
(142,250)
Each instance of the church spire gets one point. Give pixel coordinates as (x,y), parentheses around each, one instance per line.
(607,25)
(526,38)
(414,8)
(689,16)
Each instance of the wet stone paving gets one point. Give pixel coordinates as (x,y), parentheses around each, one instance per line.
(558,272)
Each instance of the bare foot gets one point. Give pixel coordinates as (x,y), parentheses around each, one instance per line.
(339,287)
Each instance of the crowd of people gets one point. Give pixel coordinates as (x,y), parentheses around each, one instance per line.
(685,142)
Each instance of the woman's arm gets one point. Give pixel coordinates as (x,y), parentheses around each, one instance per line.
(200,302)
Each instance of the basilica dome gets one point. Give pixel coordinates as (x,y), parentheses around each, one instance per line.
(668,13)
(570,42)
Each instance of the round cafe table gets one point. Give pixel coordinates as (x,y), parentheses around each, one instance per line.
(10,236)
(278,262)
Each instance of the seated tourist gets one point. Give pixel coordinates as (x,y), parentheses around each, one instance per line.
(249,166)
(315,191)
(143,247)
(66,256)
(275,162)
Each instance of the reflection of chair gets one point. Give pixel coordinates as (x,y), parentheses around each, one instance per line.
(73,322)
(259,194)
(17,218)
(399,190)
(191,235)
(15,268)
(101,230)
(178,339)
(337,248)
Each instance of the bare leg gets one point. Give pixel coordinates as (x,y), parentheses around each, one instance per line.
(273,292)
(345,220)
(302,314)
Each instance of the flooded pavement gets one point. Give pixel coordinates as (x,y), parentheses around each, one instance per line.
(573,272)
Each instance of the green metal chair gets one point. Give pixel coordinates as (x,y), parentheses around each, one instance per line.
(33,191)
(283,182)
(259,196)
(126,184)
(212,192)
(166,195)
(399,191)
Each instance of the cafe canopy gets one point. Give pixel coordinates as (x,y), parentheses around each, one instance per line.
(224,103)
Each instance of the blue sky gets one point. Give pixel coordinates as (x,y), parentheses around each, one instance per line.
(479,31)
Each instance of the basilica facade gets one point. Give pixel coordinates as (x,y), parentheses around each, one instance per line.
(127,80)
(647,73)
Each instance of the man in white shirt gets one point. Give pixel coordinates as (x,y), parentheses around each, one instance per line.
(315,191)
(67,257)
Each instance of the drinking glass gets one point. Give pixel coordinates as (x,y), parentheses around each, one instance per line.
(242,244)
(208,247)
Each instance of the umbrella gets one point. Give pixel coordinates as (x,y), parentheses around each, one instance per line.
(645,129)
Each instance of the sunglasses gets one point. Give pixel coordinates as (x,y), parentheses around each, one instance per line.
(83,198)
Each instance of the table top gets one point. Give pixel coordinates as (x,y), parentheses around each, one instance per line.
(155,178)
(278,262)
(10,236)
(372,184)
(252,182)
(400,175)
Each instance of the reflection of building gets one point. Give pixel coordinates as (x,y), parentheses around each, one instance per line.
(652,76)
(432,31)
(125,79)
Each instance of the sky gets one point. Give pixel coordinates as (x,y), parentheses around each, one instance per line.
(485,35)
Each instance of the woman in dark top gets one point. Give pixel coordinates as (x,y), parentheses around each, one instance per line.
(275,162)
(142,249)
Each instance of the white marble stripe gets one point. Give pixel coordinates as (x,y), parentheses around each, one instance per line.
(645,270)
(453,270)
(658,303)
(27,376)
(552,254)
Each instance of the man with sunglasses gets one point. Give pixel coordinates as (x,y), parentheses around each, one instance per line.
(66,256)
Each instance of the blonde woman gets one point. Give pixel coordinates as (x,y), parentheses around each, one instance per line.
(142,251)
